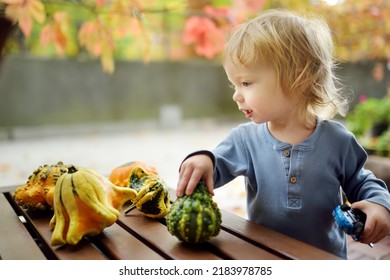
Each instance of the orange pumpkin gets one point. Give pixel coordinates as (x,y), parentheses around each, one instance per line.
(120,175)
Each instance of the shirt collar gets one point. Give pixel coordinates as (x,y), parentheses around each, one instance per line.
(305,144)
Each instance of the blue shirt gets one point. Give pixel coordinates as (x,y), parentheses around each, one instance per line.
(294,189)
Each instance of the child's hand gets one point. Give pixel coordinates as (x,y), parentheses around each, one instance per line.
(192,171)
(377,224)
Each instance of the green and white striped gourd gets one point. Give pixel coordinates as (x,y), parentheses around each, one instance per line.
(194,218)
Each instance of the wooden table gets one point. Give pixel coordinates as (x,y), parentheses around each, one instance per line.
(26,235)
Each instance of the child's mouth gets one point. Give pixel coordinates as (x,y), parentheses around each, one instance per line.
(248,113)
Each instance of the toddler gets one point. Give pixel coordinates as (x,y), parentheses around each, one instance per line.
(296,161)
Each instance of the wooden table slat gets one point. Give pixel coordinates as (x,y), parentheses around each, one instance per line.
(157,236)
(121,245)
(17,242)
(277,242)
(238,249)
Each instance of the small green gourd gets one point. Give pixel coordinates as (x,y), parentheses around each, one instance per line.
(152,198)
(194,218)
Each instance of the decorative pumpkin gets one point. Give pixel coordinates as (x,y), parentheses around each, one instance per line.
(152,198)
(85,203)
(120,175)
(194,218)
(37,193)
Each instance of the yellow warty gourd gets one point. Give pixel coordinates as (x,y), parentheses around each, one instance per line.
(85,203)
(38,192)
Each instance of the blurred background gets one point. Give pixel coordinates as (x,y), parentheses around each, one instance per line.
(99,83)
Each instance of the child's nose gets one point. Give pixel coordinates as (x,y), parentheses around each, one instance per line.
(237,97)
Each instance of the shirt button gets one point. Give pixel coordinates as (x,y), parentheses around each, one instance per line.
(286,153)
(293,179)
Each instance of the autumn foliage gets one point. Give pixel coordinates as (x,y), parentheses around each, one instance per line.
(360,28)
(111,21)
(25,12)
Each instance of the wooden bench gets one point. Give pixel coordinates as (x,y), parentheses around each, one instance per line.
(26,235)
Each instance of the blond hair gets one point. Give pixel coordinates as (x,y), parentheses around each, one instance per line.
(300,50)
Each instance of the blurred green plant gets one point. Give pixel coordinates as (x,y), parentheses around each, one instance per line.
(368,114)
(370,122)
(382,146)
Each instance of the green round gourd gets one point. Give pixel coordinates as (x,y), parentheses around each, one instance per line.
(194,218)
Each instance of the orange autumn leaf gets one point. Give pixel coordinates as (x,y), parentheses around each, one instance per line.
(128,25)
(126,7)
(243,8)
(89,36)
(126,16)
(55,32)
(250,5)
(98,40)
(25,12)
(220,13)
(136,27)
(107,57)
(207,37)
(100,3)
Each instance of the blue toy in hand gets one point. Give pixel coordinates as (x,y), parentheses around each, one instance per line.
(350,220)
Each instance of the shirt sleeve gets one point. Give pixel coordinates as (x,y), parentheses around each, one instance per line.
(231,159)
(360,183)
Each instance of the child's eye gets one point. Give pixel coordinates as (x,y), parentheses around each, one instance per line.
(246,84)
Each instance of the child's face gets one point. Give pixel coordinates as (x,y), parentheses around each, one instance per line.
(258,93)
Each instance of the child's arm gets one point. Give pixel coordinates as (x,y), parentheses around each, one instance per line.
(193,169)
(377,224)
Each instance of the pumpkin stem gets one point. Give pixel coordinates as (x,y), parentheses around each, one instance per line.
(72,169)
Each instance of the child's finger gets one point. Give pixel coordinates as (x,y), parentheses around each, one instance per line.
(193,182)
(184,177)
(208,180)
